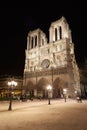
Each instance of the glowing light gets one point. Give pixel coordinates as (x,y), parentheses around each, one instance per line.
(49,87)
(12,83)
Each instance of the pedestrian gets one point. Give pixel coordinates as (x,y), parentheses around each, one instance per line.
(79,99)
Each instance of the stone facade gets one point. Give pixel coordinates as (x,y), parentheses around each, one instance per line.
(51,62)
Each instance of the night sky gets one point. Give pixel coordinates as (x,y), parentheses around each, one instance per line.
(15,23)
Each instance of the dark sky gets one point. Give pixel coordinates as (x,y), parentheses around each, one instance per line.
(15,23)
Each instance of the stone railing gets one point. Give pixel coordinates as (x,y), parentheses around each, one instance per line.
(51,71)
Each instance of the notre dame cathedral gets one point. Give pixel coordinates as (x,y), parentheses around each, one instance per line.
(51,63)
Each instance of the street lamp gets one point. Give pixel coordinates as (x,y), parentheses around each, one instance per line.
(49,88)
(11,84)
(65,92)
(75,91)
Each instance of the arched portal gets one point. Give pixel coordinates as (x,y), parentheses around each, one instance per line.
(58,86)
(42,87)
(30,89)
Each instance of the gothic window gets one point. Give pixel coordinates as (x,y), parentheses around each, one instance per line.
(32,42)
(55,34)
(60,32)
(35,41)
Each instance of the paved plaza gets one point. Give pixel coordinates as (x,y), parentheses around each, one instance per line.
(38,115)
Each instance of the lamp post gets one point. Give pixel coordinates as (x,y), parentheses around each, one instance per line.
(11,84)
(49,88)
(65,92)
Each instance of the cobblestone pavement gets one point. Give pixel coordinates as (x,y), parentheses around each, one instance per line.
(38,115)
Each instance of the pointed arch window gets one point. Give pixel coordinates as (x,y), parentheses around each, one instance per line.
(32,41)
(60,32)
(55,34)
(35,41)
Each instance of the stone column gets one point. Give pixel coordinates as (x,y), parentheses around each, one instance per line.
(30,42)
(53,34)
(27,42)
(34,42)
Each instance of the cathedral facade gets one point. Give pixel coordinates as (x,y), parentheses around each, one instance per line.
(51,62)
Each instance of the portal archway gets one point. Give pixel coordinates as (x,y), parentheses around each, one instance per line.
(58,86)
(42,87)
(30,89)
